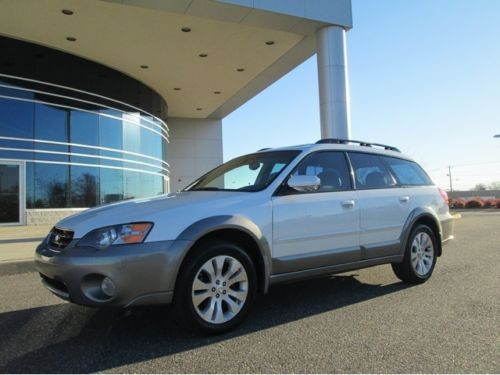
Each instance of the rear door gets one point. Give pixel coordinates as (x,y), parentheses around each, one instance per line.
(316,229)
(384,206)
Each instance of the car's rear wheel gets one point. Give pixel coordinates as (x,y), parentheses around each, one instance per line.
(216,287)
(420,256)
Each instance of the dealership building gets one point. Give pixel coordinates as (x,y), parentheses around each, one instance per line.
(106,100)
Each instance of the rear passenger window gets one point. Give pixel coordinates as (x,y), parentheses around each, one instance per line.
(407,172)
(370,172)
(330,167)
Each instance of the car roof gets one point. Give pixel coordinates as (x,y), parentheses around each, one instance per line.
(368,148)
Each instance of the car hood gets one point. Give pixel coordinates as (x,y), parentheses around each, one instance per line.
(175,210)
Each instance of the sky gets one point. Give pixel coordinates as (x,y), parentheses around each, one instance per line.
(424,76)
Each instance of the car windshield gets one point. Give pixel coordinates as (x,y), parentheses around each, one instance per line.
(252,172)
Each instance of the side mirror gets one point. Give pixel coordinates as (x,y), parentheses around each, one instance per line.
(304,184)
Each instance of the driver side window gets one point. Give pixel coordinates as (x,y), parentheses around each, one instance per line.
(330,167)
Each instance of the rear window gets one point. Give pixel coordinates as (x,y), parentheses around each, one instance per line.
(407,172)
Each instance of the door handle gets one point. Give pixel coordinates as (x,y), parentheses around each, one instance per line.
(404,199)
(348,204)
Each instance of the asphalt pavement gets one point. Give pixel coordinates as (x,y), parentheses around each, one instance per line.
(361,321)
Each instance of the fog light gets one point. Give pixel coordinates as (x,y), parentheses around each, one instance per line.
(108,287)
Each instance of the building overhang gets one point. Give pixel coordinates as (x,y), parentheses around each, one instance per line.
(249,44)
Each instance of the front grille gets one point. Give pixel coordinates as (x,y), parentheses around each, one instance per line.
(59,238)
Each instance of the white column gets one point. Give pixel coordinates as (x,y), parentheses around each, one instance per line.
(333,83)
(195,148)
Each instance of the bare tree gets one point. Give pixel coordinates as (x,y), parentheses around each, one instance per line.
(480,187)
(495,185)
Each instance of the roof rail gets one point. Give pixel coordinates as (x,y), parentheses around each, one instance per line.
(264,149)
(361,143)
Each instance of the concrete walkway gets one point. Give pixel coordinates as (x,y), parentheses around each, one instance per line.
(17,245)
(23,232)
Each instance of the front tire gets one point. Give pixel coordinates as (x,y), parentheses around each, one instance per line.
(420,256)
(215,288)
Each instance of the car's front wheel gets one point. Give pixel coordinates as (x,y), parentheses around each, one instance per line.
(420,256)
(215,288)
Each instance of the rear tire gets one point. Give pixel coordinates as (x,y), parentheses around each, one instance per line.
(419,258)
(215,288)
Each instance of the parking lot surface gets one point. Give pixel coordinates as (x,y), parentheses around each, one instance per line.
(361,321)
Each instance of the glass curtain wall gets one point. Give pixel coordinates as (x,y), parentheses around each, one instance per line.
(80,157)
(87,134)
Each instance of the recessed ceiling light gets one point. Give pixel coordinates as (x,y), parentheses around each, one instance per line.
(71,39)
(203,55)
(216,92)
(177,88)
(186,29)
(270,42)
(144,67)
(199,109)
(67,12)
(240,70)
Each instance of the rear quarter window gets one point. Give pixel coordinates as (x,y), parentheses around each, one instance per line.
(407,172)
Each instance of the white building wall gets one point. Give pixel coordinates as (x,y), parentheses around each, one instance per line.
(195,148)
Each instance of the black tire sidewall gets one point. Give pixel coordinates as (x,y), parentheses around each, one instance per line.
(182,297)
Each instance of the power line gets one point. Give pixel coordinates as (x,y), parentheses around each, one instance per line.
(465,165)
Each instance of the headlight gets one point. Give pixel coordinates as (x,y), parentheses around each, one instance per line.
(118,234)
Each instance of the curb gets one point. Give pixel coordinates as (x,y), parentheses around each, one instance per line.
(21,240)
(16,267)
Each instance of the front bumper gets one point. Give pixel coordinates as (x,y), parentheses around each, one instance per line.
(141,273)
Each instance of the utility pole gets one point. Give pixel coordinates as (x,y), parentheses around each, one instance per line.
(449,175)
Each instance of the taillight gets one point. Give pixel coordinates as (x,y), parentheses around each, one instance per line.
(444,195)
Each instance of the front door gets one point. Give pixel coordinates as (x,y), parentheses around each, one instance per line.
(317,229)
(10,193)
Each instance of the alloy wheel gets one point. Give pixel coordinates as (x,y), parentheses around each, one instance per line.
(220,289)
(422,253)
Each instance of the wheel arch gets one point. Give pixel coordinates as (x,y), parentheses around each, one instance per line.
(239,230)
(418,216)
